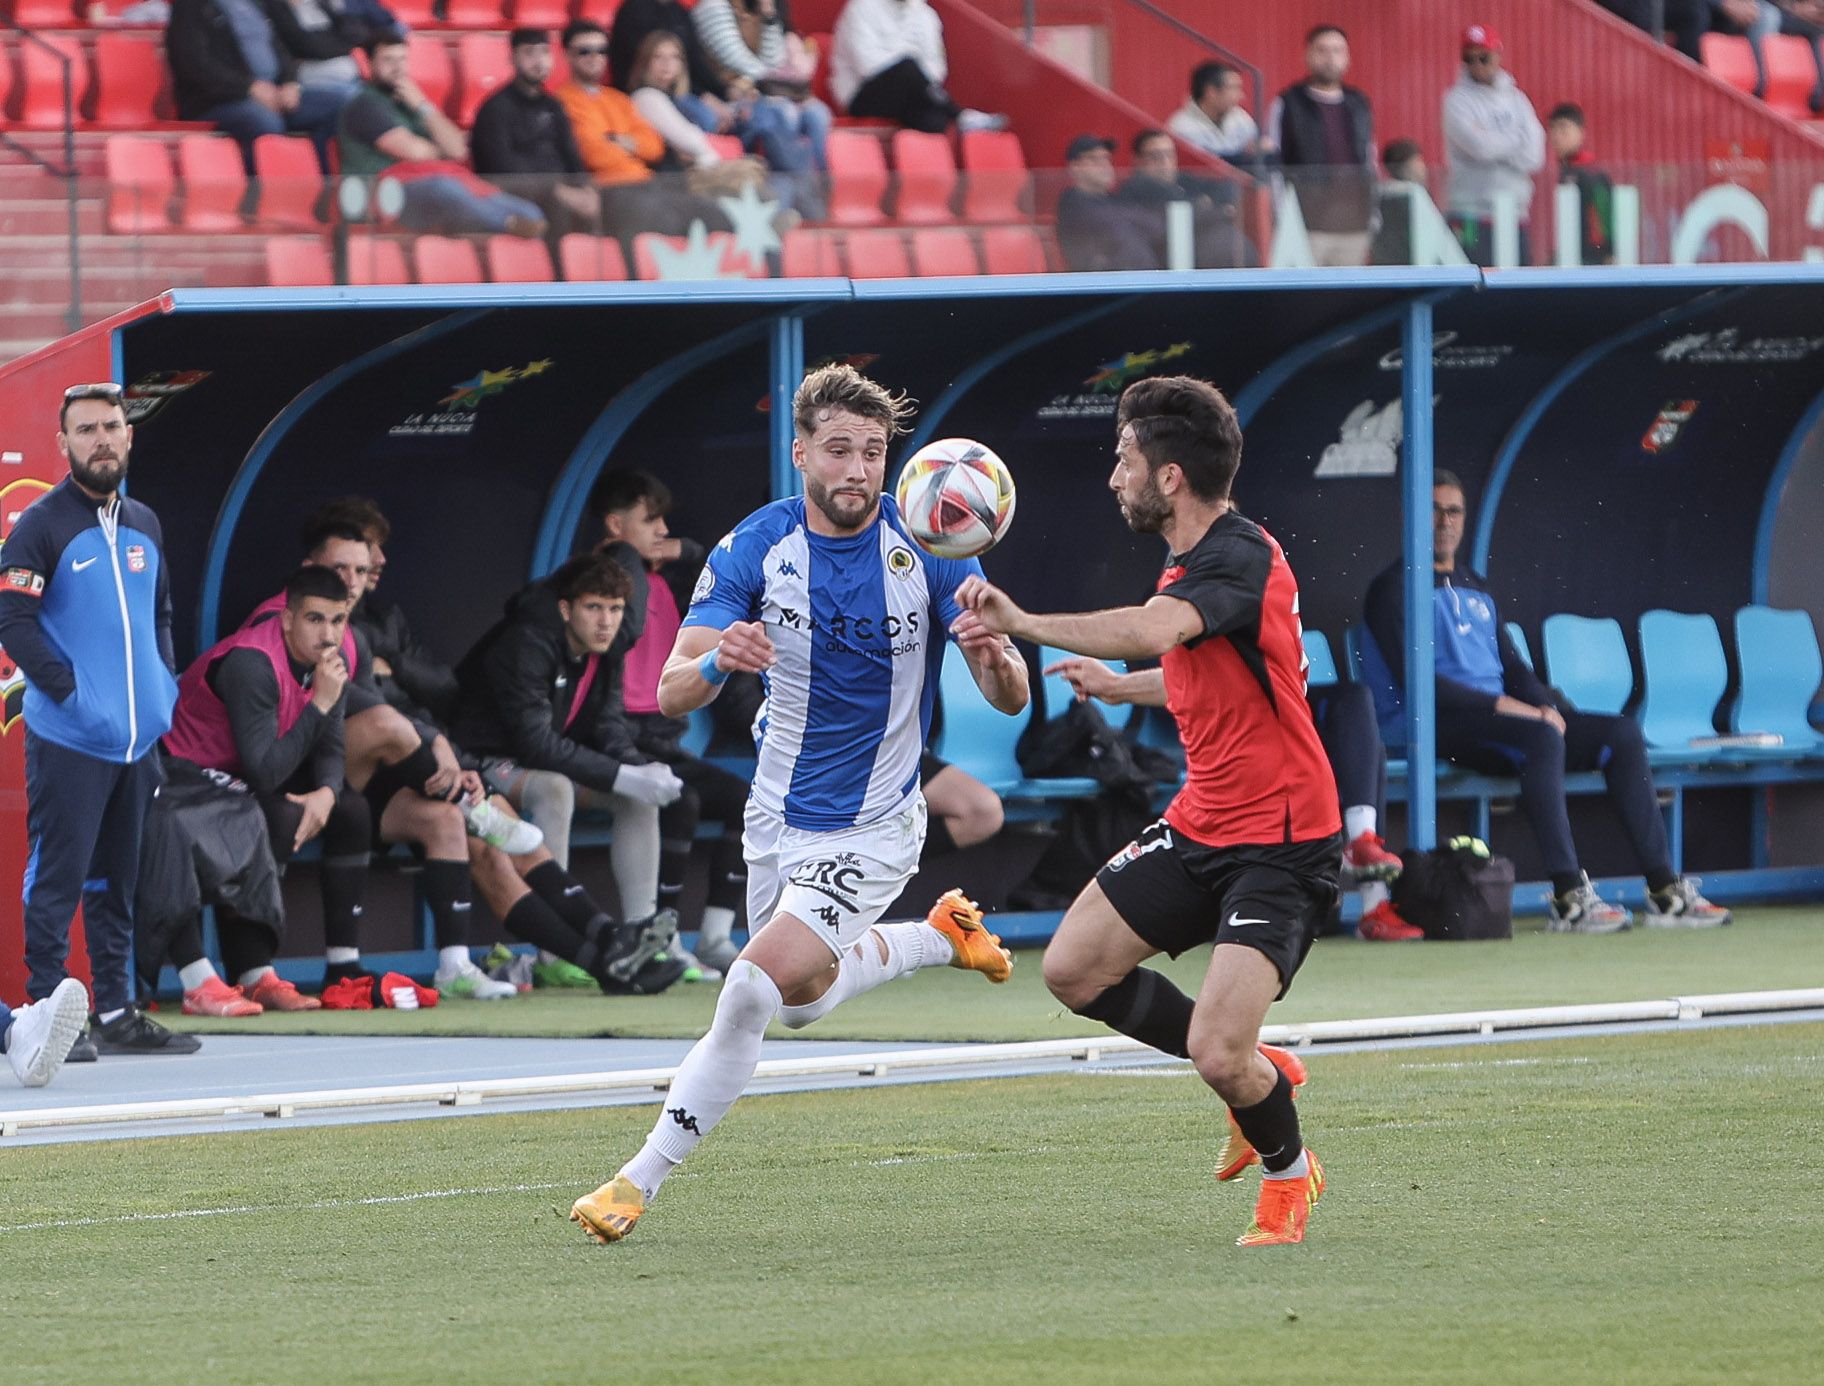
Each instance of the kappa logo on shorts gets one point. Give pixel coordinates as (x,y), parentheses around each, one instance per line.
(831,917)
(1155,837)
(838,877)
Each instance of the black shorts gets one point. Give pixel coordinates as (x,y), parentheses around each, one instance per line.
(929,768)
(1176,893)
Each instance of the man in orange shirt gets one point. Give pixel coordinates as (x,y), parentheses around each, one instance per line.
(621,150)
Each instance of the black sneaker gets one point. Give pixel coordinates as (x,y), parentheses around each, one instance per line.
(135,1032)
(652,978)
(83,1051)
(632,946)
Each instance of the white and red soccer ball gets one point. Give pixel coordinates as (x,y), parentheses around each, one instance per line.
(955,497)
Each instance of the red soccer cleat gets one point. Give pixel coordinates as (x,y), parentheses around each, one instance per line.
(216,997)
(1383,924)
(1367,859)
(276,994)
(1237,1152)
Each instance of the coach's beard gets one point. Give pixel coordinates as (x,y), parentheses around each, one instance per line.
(845,509)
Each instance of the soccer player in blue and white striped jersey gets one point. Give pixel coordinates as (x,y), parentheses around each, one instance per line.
(845,619)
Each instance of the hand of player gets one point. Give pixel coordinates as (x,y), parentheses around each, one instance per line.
(382,669)
(1553,717)
(975,639)
(996,611)
(648,784)
(1088,678)
(328,679)
(473,790)
(439,785)
(745,649)
(317,806)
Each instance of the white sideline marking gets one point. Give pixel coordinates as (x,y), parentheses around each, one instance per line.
(1501,1063)
(179,1214)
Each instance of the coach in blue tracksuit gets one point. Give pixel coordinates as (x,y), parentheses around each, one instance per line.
(85,612)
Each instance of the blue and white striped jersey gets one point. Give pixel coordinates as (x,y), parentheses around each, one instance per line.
(859,625)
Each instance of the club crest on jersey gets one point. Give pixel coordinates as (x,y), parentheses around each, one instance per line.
(706,583)
(136,558)
(900,561)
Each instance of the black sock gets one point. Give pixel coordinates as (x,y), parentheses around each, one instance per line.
(187,943)
(1272,1125)
(1661,879)
(728,874)
(566,897)
(343,882)
(538,924)
(245,945)
(674,861)
(416,768)
(447,892)
(1564,885)
(1146,1007)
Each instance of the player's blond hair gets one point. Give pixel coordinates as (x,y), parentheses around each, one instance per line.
(839,386)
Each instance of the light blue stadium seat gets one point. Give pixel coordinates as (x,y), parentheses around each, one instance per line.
(1586,657)
(1684,674)
(978,739)
(1058,694)
(1781,669)
(1320,664)
(697,735)
(1518,636)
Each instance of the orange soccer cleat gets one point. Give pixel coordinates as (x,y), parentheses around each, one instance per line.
(610,1212)
(1237,1153)
(216,997)
(276,994)
(1284,1207)
(956,917)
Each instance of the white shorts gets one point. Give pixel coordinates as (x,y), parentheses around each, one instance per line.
(839,883)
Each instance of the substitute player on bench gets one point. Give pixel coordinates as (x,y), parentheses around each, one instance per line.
(1248,852)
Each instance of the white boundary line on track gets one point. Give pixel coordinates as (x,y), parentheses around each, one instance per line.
(874,1065)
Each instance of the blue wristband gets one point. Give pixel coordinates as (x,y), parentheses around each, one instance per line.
(706,666)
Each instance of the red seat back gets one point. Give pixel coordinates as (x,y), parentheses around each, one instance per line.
(129,81)
(1012,250)
(1791,75)
(927,177)
(215,181)
(140,184)
(447,260)
(376,260)
(290,181)
(858,179)
(487,65)
(939,250)
(516,260)
(540,14)
(877,254)
(587,258)
(473,14)
(431,68)
(810,255)
(298,260)
(994,177)
(1730,58)
(41,71)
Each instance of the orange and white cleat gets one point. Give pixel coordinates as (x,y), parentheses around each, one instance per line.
(216,997)
(956,917)
(610,1212)
(1237,1152)
(1284,1207)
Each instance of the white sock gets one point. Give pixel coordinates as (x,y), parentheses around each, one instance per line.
(253,976)
(718,924)
(633,852)
(715,1072)
(193,975)
(1358,820)
(332,956)
(1298,1169)
(863,968)
(453,959)
(1373,893)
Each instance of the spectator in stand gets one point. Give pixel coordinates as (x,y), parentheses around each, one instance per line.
(1759,20)
(522,140)
(1213,119)
(887,60)
(631,507)
(662,96)
(85,614)
(392,128)
(327,34)
(235,64)
(1215,205)
(634,20)
(1323,133)
(1404,164)
(1494,715)
(1096,229)
(751,42)
(1493,143)
(620,149)
(1595,191)
(1686,20)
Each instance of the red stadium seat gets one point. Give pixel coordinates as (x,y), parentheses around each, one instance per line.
(447,260)
(293,261)
(540,14)
(285,166)
(858,179)
(140,184)
(1012,250)
(927,177)
(414,14)
(6,77)
(431,68)
(586,258)
(994,176)
(1731,59)
(601,11)
(376,260)
(130,77)
(44,14)
(516,260)
(472,14)
(215,182)
(938,250)
(647,244)
(810,255)
(487,65)
(877,255)
(820,79)
(41,98)
(1791,74)
(728,146)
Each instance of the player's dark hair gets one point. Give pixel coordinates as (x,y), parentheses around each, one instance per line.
(576,28)
(625,487)
(1398,154)
(1567,110)
(1319,30)
(590,575)
(1146,137)
(1178,418)
(1443,476)
(839,386)
(1206,75)
(364,514)
(382,38)
(331,522)
(311,581)
(528,38)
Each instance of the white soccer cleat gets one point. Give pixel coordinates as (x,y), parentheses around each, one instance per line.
(514,836)
(469,983)
(43,1032)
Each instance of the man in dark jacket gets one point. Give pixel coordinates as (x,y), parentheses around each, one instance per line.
(1215,204)
(85,612)
(1323,134)
(1495,715)
(523,142)
(234,63)
(541,704)
(1595,190)
(1097,230)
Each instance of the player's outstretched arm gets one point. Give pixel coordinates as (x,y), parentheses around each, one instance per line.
(1127,632)
(1091,678)
(999,670)
(702,660)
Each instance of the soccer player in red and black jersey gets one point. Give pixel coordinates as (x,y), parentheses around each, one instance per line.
(1247,854)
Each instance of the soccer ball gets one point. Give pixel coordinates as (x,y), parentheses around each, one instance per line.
(956,498)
